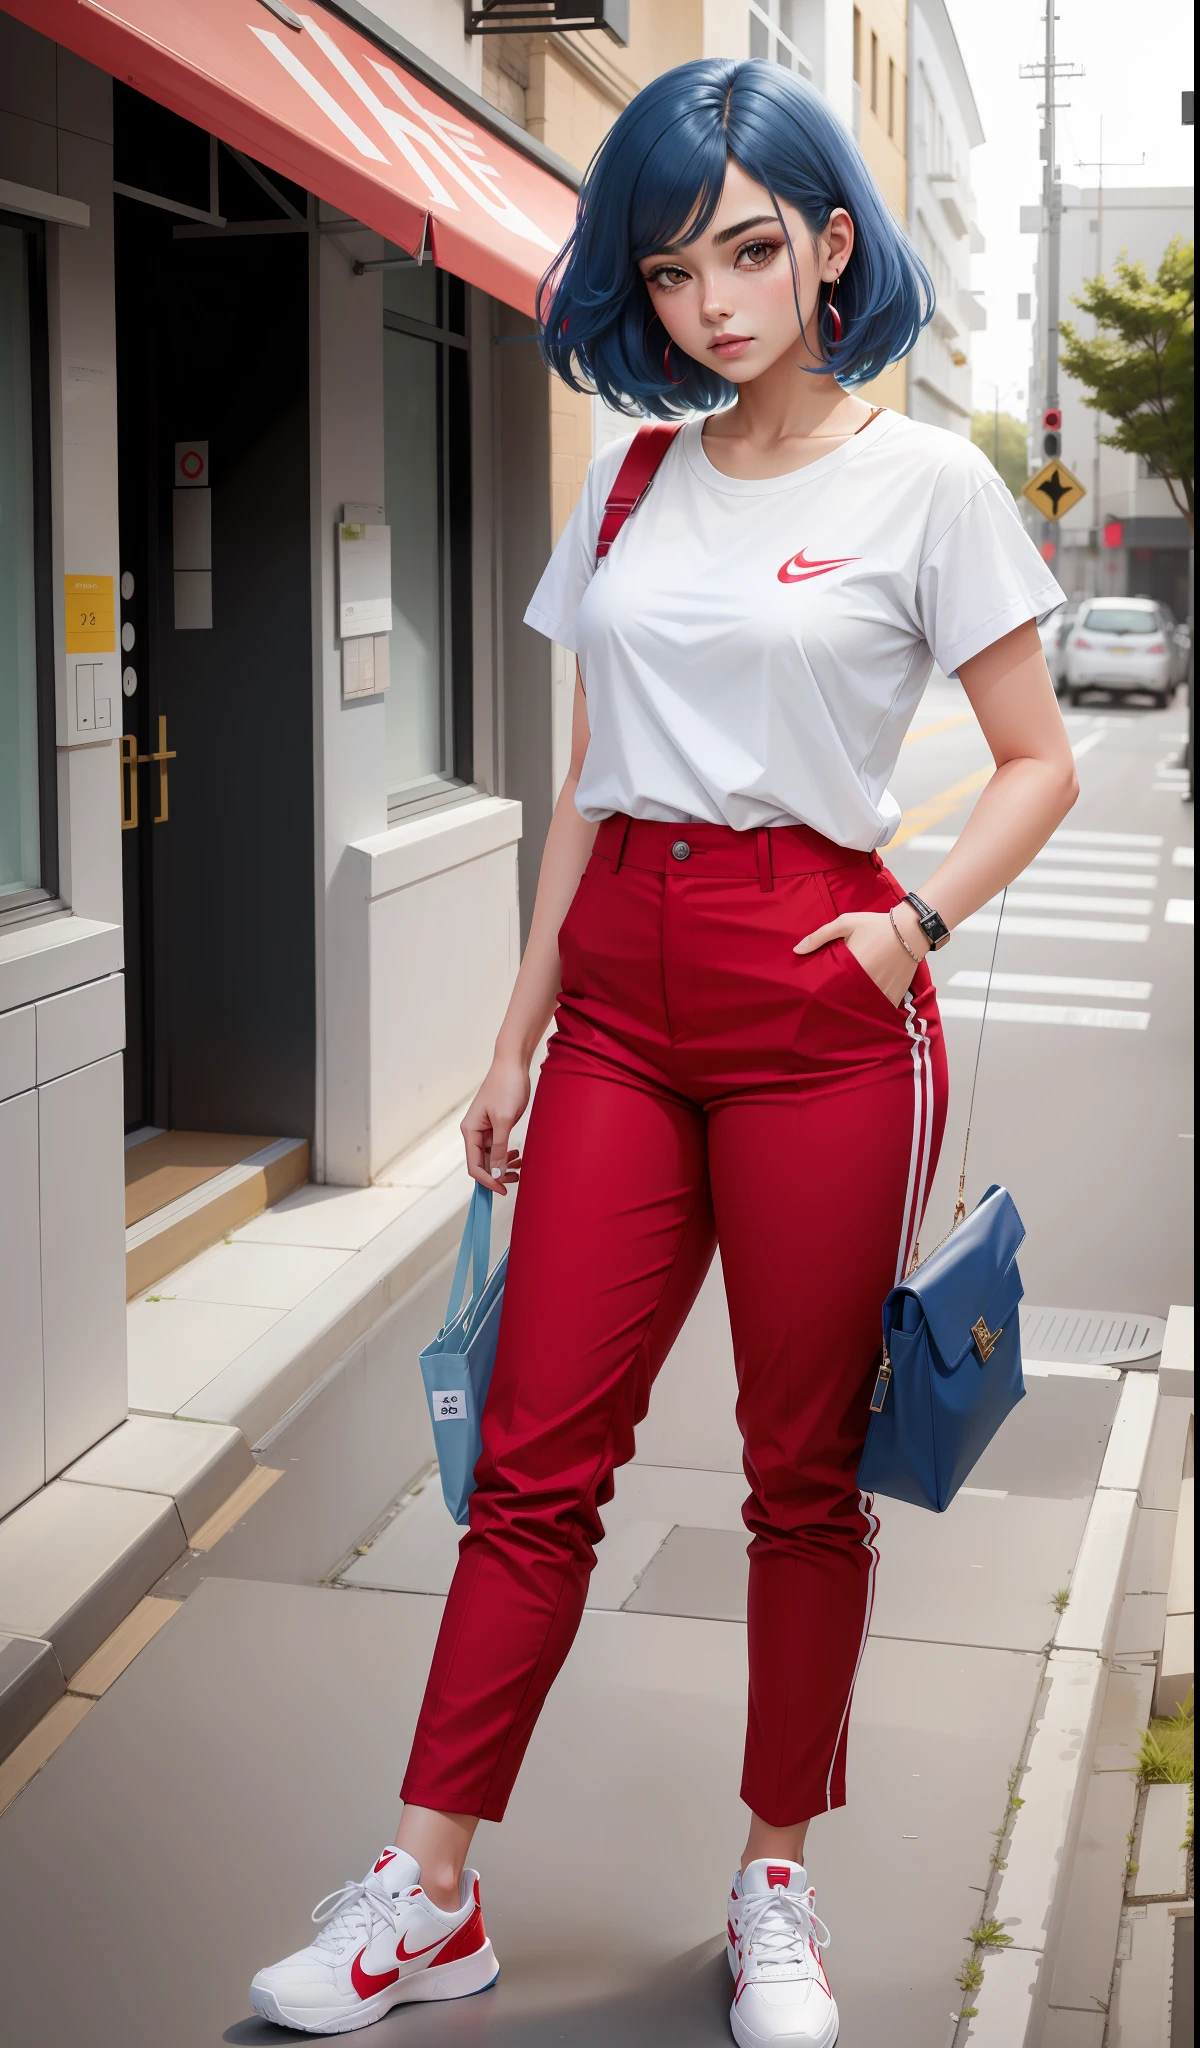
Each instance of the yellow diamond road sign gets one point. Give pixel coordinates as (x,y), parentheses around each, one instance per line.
(1054,490)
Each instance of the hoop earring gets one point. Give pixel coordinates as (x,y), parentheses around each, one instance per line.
(835,318)
(667,360)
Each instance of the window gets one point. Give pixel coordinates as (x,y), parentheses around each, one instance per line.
(875,74)
(773,31)
(891,98)
(28,855)
(428,507)
(857,46)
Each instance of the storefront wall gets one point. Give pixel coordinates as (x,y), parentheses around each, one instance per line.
(62,1334)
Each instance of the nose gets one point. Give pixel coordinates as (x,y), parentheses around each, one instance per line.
(715,303)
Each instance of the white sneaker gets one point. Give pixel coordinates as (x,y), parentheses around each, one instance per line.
(781,1995)
(383,1943)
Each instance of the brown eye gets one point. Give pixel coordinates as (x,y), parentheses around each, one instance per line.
(758,253)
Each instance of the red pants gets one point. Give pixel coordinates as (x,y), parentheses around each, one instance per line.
(705,1085)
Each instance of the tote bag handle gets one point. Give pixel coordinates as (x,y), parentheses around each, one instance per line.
(474,1252)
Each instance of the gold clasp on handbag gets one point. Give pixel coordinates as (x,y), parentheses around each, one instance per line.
(883,1380)
(986,1339)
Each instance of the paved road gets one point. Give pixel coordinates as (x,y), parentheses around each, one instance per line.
(1084,1106)
(247,1760)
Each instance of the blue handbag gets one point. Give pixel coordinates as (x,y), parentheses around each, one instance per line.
(951,1365)
(457,1366)
(950,1368)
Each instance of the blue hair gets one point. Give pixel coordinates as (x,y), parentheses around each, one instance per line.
(658,176)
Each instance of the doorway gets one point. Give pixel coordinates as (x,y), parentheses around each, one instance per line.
(217,772)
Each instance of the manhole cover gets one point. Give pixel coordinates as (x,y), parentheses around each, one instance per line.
(1088,1336)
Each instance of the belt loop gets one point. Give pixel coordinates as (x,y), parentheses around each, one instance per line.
(766,879)
(621,845)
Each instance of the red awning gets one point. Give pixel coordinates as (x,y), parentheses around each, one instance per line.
(324,106)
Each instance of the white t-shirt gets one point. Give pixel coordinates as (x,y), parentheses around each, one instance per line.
(754,650)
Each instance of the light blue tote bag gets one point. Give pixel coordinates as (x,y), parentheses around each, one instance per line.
(457,1366)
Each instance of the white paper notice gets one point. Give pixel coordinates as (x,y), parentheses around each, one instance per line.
(364,579)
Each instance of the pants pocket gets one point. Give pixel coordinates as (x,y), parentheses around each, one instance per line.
(843,963)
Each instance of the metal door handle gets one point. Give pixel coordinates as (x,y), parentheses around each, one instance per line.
(129,788)
(161,757)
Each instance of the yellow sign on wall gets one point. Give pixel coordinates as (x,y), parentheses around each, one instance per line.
(90,621)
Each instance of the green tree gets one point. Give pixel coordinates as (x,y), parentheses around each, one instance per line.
(1003,440)
(1137,369)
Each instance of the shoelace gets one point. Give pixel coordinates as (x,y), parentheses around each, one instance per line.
(356,1910)
(779,1926)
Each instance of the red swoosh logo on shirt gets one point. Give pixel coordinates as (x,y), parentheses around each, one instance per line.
(365,1984)
(798,570)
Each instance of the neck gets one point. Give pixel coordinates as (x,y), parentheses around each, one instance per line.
(788,402)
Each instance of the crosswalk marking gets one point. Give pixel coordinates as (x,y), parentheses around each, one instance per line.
(1085,746)
(1133,906)
(944,842)
(1069,835)
(1056,927)
(1044,1013)
(1052,984)
(1098,856)
(1072,878)
(1180,910)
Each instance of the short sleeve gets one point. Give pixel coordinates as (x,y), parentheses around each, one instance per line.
(554,607)
(982,576)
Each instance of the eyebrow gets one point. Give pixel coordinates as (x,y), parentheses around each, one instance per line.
(756,220)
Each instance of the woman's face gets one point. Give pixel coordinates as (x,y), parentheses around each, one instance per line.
(729,298)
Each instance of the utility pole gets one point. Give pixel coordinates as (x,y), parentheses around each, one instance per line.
(1100,165)
(1049,71)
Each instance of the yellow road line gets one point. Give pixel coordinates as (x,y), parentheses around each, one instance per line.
(924,732)
(923,817)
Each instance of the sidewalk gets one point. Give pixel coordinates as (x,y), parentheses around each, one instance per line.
(246,1761)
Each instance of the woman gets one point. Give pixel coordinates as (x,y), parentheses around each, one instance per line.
(747,1049)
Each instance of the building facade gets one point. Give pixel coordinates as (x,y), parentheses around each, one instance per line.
(1126,538)
(279,467)
(944,128)
(264,855)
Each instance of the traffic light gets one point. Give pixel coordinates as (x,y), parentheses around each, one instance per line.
(1052,430)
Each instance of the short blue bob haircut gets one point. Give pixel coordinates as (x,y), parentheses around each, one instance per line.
(659,174)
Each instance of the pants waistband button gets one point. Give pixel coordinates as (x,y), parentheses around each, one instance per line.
(680,850)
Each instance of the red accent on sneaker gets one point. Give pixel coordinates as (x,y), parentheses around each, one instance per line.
(409,1955)
(388,1856)
(469,1939)
(729,1931)
(778,1874)
(365,1984)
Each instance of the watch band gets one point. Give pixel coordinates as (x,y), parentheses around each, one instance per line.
(935,928)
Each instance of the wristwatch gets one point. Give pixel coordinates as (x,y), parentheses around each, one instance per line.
(935,928)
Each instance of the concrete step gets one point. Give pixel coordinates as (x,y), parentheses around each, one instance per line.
(218,1202)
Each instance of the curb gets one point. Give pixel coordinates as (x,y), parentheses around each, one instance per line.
(1029,1893)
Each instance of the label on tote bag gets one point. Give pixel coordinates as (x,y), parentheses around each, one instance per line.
(450,1407)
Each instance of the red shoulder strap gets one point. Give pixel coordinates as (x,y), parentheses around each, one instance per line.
(632,480)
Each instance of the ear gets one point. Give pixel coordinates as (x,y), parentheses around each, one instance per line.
(837,243)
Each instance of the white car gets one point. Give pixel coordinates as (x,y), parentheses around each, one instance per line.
(1118,643)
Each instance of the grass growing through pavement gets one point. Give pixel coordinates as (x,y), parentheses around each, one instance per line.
(1167,1751)
(988,1934)
(1167,1756)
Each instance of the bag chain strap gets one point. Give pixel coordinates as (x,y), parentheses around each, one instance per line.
(960,1206)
